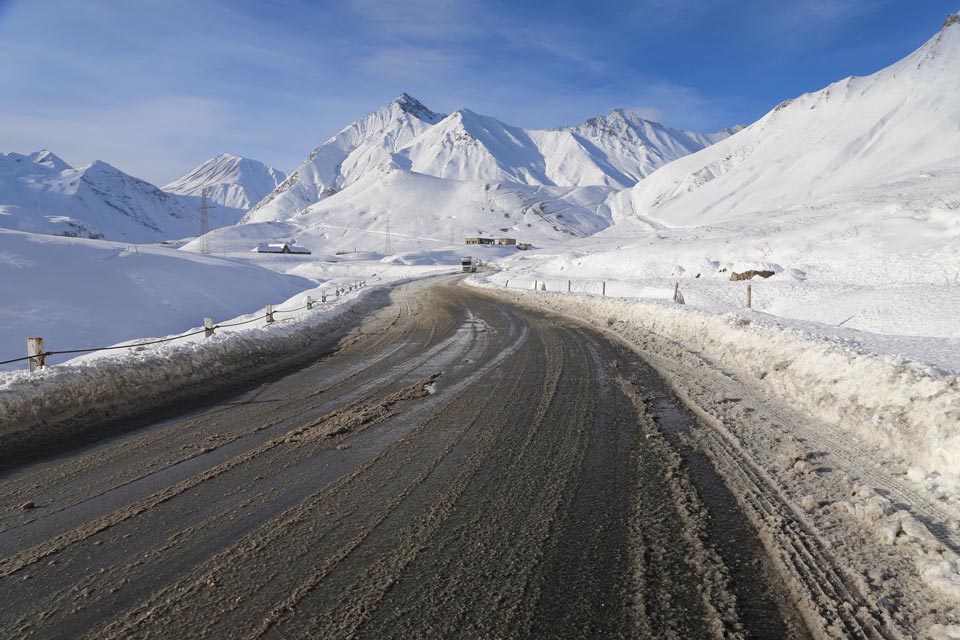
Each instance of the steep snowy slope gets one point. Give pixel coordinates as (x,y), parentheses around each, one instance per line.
(231,181)
(41,193)
(856,133)
(613,150)
(360,146)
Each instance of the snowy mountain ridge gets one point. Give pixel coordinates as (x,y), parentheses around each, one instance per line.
(229,180)
(615,150)
(41,193)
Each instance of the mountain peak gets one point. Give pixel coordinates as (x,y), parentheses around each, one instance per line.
(229,180)
(952,19)
(409,104)
(49,159)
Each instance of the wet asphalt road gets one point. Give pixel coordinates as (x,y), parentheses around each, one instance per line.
(456,468)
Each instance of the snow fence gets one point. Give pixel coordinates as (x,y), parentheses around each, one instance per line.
(909,409)
(65,398)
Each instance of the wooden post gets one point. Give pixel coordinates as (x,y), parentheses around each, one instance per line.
(35,351)
(676,289)
(568,286)
(506,285)
(309,303)
(534,285)
(749,296)
(604,287)
(207,326)
(269,311)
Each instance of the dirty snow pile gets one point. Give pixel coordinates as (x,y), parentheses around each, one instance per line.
(99,384)
(911,410)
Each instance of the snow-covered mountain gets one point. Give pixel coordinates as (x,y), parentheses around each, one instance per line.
(41,193)
(858,133)
(229,180)
(362,145)
(614,150)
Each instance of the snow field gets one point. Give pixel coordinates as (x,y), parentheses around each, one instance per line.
(77,293)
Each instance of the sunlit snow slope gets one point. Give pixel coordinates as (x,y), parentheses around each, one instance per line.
(856,133)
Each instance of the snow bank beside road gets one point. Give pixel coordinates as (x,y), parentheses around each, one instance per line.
(41,405)
(911,410)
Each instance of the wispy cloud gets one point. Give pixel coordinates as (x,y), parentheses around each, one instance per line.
(156,86)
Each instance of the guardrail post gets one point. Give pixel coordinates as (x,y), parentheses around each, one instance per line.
(207,326)
(35,351)
(309,303)
(269,312)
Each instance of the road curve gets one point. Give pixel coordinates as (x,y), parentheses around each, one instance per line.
(457,467)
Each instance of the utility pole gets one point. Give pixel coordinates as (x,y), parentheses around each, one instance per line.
(204,223)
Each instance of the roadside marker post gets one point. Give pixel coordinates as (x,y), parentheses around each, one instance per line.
(207,326)
(35,352)
(269,312)
(749,296)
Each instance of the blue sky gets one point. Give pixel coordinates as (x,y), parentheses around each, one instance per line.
(157,86)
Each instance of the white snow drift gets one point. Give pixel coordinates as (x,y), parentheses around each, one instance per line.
(77,294)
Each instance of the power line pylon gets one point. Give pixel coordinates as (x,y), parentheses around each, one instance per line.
(205,223)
